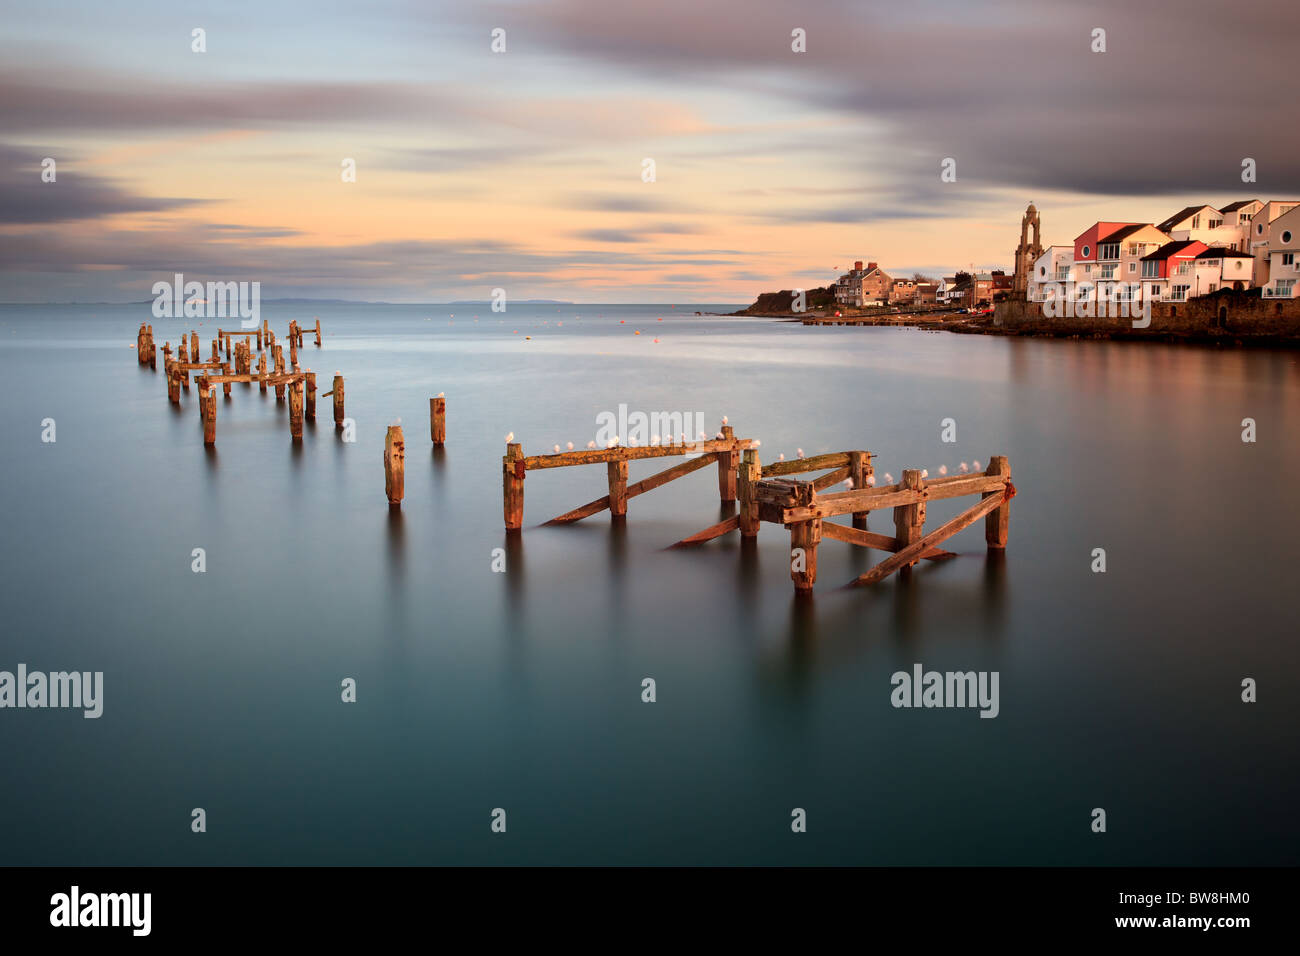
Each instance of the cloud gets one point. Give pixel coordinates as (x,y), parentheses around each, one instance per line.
(74,195)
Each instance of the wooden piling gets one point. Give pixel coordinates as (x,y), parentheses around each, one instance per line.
(295,412)
(859,471)
(909,520)
(173,384)
(617,473)
(803,568)
(261,371)
(997,523)
(512,469)
(208,409)
(153,350)
(394,465)
(751,472)
(311,396)
(437,419)
(279,370)
(225,386)
(337,392)
(194,346)
(293,350)
(318,333)
(728,462)
(259,340)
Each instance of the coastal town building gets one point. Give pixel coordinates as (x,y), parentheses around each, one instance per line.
(1240,214)
(902,292)
(1168,274)
(927,293)
(862,286)
(1262,237)
(1283,249)
(1054,265)
(1221,267)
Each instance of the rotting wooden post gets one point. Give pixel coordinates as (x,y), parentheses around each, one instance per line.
(909,519)
(153,351)
(318,333)
(728,462)
(225,386)
(139,345)
(337,392)
(295,413)
(512,472)
(394,465)
(859,471)
(311,396)
(208,408)
(194,346)
(279,370)
(228,345)
(617,471)
(259,339)
(173,384)
(751,472)
(997,523)
(293,350)
(216,351)
(804,538)
(437,420)
(261,371)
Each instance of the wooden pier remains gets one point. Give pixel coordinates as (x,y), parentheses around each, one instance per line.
(515,465)
(394,466)
(438,420)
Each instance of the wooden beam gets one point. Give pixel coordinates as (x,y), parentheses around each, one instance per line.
(797,466)
(910,519)
(995,528)
(830,478)
(892,496)
(595,456)
(879,542)
(860,472)
(640,488)
(915,550)
(709,533)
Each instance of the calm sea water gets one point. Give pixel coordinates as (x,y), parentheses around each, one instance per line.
(522,690)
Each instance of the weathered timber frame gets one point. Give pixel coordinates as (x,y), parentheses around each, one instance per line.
(725,451)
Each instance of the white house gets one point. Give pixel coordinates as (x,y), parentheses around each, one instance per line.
(1260,235)
(1053,266)
(1283,247)
(1220,267)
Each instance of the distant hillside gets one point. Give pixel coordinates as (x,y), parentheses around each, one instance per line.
(781,303)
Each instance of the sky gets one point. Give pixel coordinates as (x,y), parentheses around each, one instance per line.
(525,169)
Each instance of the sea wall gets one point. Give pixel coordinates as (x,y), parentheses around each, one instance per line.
(1225,315)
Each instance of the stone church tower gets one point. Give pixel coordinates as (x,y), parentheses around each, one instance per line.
(1026,252)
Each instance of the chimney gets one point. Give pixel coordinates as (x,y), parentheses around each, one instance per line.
(870,266)
(858,265)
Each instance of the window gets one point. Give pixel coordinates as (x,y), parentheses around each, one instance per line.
(1214,287)
(1196,222)
(1042,270)
(1087,251)
(1108,271)
(1243,218)
(1239,265)
(1259,231)
(1216,223)
(1286,237)
(1179,293)
(1288,258)
(1132,267)
(1108,250)
(1151,269)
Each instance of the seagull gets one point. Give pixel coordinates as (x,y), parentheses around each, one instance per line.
(963,468)
(798,452)
(557,449)
(442,394)
(569,446)
(889,479)
(654,439)
(848,483)
(781,457)
(510,436)
(871,481)
(591,444)
(724,419)
(943,469)
(975,466)
(757,443)
(925,472)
